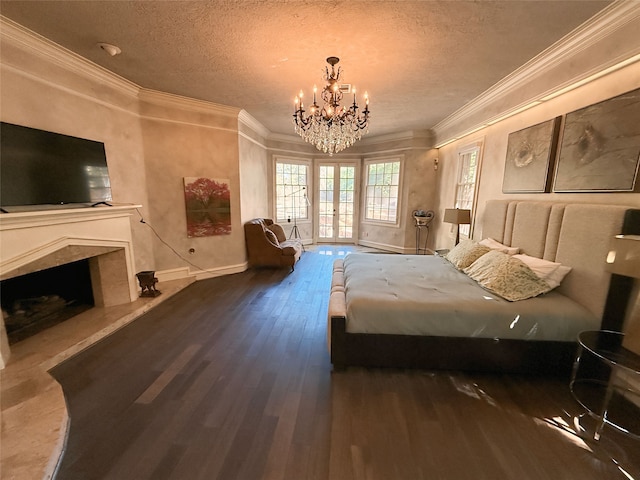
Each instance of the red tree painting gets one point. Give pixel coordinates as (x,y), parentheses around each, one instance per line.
(208,206)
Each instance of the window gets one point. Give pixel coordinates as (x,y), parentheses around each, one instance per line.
(468,167)
(382,188)
(291,191)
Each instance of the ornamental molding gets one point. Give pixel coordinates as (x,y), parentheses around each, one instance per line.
(601,26)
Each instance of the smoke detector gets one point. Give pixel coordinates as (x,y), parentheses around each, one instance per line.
(110,49)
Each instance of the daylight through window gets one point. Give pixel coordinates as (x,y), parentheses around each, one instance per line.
(291,191)
(383,185)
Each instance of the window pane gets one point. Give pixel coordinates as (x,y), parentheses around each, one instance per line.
(466,185)
(291,189)
(383,180)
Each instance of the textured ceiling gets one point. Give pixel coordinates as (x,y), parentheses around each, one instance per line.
(419,60)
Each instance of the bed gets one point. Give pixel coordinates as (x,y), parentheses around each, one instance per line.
(419,311)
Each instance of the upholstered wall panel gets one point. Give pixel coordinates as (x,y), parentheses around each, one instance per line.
(530,227)
(508,228)
(493,223)
(553,232)
(584,244)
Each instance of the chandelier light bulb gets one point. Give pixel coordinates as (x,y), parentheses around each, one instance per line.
(331,127)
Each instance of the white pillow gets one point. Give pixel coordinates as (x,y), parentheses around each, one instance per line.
(555,278)
(551,272)
(495,245)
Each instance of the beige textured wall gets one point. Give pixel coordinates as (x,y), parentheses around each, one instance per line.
(174,150)
(495,148)
(419,194)
(152,141)
(41,94)
(254,172)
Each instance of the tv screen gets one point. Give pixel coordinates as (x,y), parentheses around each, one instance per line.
(45,168)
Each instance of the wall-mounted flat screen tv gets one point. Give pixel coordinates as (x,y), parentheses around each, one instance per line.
(45,168)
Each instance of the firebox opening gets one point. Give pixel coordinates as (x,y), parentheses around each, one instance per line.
(39,300)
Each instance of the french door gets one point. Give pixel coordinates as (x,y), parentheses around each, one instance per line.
(337,202)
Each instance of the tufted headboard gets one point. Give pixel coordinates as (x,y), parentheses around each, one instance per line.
(576,235)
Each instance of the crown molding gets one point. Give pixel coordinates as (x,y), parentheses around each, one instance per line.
(605,23)
(282,137)
(248,120)
(41,47)
(170,100)
(425,135)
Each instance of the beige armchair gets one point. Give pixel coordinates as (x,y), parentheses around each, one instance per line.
(267,244)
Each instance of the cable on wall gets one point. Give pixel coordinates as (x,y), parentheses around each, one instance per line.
(142,220)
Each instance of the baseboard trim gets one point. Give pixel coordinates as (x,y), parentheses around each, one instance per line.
(385,246)
(185,272)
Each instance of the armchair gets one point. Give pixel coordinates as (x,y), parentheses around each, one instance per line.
(267,244)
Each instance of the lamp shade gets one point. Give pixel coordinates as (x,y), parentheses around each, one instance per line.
(624,256)
(457,216)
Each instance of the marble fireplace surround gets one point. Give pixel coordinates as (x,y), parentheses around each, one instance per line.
(36,240)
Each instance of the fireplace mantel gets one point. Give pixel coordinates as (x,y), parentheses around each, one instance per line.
(55,216)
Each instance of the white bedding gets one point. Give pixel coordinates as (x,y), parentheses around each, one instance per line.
(426,295)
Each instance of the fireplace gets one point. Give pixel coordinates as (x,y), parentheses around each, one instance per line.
(39,300)
(91,245)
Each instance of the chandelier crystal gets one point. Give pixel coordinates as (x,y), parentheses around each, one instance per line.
(331,128)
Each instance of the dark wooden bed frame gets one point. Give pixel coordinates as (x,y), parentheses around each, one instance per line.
(476,354)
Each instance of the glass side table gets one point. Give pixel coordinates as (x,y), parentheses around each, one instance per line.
(606,382)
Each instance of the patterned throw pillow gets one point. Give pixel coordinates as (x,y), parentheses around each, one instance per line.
(465,253)
(271,237)
(506,276)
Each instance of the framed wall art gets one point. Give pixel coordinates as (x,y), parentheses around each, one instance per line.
(208,206)
(530,156)
(600,147)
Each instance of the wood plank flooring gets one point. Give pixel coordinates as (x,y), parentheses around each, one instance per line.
(231,379)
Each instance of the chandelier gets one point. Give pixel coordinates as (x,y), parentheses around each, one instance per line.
(331,128)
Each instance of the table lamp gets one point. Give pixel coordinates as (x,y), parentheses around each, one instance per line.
(458,217)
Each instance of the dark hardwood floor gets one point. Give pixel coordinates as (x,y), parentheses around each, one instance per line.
(231,379)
